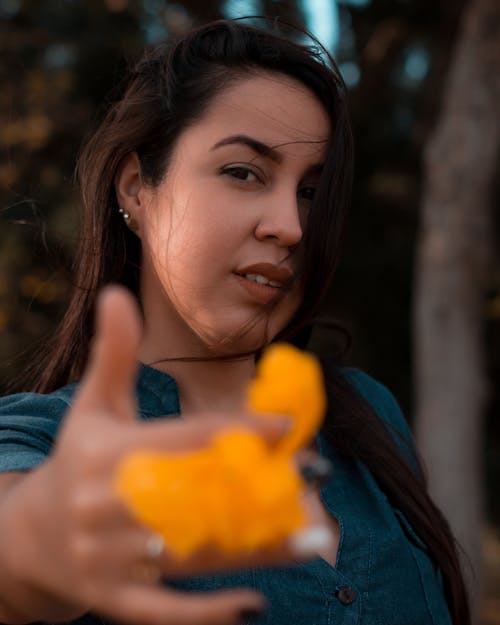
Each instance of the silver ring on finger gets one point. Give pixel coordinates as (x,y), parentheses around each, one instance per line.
(154,547)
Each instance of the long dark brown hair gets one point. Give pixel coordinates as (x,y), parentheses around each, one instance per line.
(169,89)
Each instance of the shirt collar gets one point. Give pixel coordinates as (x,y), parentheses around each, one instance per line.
(157,392)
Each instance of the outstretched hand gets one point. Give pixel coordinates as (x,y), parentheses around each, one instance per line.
(77,544)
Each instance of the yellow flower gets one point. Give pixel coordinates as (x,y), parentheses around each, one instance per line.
(238,494)
(290,382)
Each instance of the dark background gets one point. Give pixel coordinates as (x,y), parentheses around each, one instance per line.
(58,60)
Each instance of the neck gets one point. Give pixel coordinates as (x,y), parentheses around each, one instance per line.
(205,383)
(210,385)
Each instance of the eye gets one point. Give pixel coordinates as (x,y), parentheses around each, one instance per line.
(307,193)
(240,173)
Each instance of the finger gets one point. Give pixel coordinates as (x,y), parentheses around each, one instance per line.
(123,543)
(109,381)
(149,605)
(125,551)
(272,429)
(192,433)
(301,546)
(212,561)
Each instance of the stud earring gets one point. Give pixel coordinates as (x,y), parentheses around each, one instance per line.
(130,222)
(126,216)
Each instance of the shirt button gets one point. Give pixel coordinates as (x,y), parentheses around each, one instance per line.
(346,595)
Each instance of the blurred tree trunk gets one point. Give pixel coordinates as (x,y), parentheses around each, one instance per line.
(453,254)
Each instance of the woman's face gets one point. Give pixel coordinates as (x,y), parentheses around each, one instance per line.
(221,235)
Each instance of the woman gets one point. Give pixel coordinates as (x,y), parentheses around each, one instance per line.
(216,190)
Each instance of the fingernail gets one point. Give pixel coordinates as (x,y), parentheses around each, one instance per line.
(310,541)
(251,614)
(318,472)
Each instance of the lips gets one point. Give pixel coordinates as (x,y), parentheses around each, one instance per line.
(253,280)
(273,273)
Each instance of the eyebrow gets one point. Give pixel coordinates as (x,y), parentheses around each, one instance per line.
(257,146)
(263,149)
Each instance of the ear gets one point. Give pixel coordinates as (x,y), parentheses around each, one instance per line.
(131,191)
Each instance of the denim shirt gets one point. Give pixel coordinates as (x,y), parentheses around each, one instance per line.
(383,574)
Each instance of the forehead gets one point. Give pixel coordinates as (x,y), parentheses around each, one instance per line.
(272,108)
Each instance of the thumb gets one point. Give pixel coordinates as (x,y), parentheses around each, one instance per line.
(109,380)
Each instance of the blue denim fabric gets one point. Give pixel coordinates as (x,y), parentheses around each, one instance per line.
(383,574)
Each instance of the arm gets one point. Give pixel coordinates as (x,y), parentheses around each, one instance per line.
(67,543)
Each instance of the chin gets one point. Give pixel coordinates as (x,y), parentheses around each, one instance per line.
(234,347)
(241,340)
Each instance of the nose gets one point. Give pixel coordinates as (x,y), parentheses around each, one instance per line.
(280,220)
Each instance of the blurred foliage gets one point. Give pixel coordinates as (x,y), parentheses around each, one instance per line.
(59,58)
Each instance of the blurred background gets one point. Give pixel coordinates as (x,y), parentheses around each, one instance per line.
(419,286)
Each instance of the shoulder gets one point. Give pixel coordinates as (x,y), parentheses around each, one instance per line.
(379,397)
(28,426)
(37,403)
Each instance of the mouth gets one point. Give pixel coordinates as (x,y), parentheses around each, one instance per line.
(267,273)
(255,277)
(265,282)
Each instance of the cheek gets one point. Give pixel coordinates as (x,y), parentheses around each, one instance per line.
(284,313)
(205,232)
(200,248)
(191,250)
(292,303)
